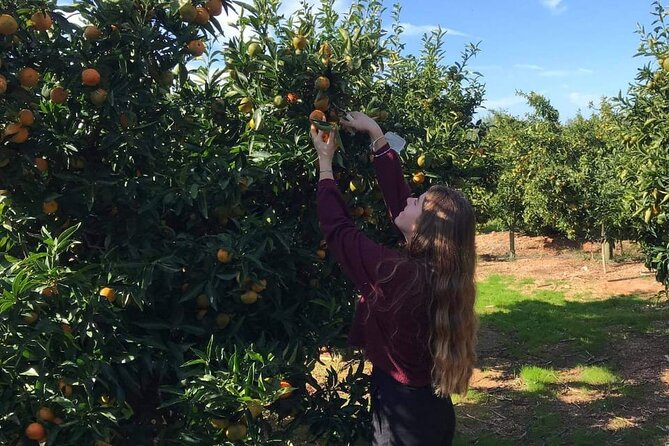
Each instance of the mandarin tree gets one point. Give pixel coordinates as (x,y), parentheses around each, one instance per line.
(163,277)
(644,160)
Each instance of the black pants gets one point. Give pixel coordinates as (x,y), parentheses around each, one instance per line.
(409,416)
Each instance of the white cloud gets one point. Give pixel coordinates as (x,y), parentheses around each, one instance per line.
(565,73)
(543,72)
(555,6)
(418,30)
(503,103)
(527,66)
(582,99)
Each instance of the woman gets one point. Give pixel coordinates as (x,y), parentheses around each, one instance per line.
(415,319)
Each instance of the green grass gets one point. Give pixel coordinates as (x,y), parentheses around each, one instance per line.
(472,397)
(546,318)
(559,397)
(535,378)
(597,376)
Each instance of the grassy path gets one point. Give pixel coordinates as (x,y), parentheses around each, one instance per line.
(567,371)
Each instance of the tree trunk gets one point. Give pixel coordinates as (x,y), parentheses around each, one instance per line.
(605,248)
(622,253)
(512,243)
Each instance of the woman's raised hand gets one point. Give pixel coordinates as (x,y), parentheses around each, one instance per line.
(324,143)
(359,122)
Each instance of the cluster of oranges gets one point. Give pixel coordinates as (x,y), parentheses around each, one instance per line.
(18,131)
(199,15)
(321,104)
(35,430)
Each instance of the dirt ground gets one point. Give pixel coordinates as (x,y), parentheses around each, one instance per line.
(643,361)
(566,266)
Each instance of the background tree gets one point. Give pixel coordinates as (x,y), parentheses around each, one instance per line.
(644,161)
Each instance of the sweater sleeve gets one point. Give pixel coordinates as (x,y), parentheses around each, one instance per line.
(358,256)
(391,180)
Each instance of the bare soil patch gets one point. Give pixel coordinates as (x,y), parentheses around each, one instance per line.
(567,266)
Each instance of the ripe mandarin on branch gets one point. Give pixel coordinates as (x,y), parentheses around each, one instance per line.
(58,95)
(108,293)
(90,77)
(28,77)
(8,25)
(35,431)
(41,21)
(92,33)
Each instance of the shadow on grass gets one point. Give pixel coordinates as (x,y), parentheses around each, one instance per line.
(566,372)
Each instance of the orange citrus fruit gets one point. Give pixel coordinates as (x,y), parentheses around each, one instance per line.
(317,115)
(42,165)
(16,132)
(292,97)
(188,12)
(26,117)
(300,42)
(202,16)
(90,77)
(321,254)
(255,408)
(30,317)
(21,136)
(254,49)
(215,7)
(28,77)
(46,414)
(108,294)
(92,33)
(219,423)
(41,21)
(3,84)
(223,255)
(285,385)
(64,387)
(418,177)
(245,105)
(58,95)
(236,432)
(50,207)
(99,96)
(8,25)
(196,47)
(322,102)
(260,286)
(249,297)
(35,431)
(280,101)
(49,291)
(202,301)
(322,83)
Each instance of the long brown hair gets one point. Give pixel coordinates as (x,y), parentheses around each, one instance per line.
(444,238)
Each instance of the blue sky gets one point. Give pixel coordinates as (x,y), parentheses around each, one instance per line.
(572,51)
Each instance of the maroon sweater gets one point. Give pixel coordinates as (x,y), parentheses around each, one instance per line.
(391,325)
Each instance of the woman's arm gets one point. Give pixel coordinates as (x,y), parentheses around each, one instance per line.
(357,255)
(386,162)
